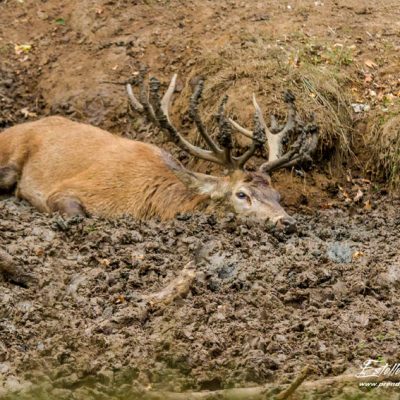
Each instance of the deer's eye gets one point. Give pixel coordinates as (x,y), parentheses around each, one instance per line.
(241,195)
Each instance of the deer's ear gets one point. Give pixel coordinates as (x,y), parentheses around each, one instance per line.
(213,186)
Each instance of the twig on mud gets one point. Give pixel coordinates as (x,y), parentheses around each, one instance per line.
(251,393)
(257,392)
(12,271)
(265,392)
(178,287)
(294,385)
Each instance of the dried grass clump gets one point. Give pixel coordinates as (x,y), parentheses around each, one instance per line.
(257,67)
(382,139)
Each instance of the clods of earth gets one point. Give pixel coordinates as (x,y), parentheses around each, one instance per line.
(260,305)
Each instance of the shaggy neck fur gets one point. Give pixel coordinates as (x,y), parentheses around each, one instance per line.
(167,196)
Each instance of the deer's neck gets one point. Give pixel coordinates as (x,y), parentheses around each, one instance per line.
(163,194)
(170,197)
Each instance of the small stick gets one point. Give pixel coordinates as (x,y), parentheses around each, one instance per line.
(294,385)
(178,287)
(264,392)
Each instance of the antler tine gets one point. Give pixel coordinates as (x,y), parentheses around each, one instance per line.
(144,98)
(225,134)
(157,111)
(175,136)
(274,140)
(275,128)
(289,99)
(134,101)
(300,151)
(259,113)
(258,137)
(166,100)
(245,131)
(276,133)
(240,129)
(194,115)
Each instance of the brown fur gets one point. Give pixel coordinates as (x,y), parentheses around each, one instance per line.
(111,176)
(77,169)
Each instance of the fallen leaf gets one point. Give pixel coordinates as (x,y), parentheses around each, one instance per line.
(344,194)
(370,64)
(357,255)
(368,78)
(358,196)
(120,299)
(390,96)
(368,205)
(22,48)
(104,262)
(39,251)
(60,21)
(27,114)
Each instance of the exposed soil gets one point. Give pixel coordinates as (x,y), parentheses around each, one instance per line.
(79,323)
(262,306)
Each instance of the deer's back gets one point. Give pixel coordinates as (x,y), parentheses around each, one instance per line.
(109,174)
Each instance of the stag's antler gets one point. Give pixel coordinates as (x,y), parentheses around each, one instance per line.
(221,152)
(300,150)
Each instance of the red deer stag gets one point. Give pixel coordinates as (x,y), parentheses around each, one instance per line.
(77,169)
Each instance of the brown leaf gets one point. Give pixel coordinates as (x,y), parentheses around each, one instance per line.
(27,114)
(120,299)
(368,78)
(370,64)
(358,196)
(357,255)
(104,262)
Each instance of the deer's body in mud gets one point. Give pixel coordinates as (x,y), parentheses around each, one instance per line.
(77,169)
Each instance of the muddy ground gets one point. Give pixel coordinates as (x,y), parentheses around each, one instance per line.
(263,304)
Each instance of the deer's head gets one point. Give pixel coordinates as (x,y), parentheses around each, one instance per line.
(248,194)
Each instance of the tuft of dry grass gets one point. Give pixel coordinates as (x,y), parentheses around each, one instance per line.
(382,139)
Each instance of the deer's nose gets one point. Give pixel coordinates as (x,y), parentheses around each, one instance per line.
(287,223)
